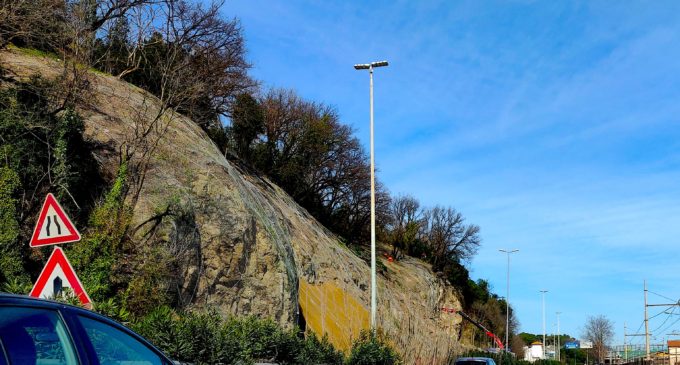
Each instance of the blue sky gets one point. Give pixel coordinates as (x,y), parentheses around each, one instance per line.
(554,125)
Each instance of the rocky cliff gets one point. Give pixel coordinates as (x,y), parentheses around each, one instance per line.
(253,250)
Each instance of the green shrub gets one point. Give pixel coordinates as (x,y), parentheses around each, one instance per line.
(95,257)
(43,150)
(372,348)
(207,338)
(16,286)
(315,351)
(112,309)
(11,261)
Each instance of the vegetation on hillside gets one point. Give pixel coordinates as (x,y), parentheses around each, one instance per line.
(42,151)
(529,338)
(193,61)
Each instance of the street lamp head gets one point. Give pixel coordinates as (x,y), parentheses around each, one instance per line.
(366,66)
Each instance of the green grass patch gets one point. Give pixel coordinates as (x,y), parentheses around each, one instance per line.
(35,53)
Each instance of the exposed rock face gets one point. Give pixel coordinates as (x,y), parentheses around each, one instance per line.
(253,250)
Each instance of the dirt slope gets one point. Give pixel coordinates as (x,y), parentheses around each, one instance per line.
(254,250)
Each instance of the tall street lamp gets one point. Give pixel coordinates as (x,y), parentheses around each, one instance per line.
(507,297)
(559,349)
(543,295)
(374,292)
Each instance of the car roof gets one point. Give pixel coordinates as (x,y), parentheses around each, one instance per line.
(7,299)
(25,300)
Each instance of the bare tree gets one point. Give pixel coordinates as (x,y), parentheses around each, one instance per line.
(517,346)
(36,23)
(104,11)
(449,237)
(207,53)
(405,222)
(599,330)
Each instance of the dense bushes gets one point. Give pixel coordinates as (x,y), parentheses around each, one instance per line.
(11,268)
(42,141)
(100,256)
(372,348)
(42,151)
(206,338)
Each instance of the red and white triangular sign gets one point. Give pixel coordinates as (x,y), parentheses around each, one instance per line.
(53,226)
(56,275)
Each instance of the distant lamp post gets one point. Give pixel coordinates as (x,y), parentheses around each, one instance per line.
(543,295)
(507,297)
(374,292)
(558,350)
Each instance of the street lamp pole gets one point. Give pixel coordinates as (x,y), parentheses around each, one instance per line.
(543,295)
(374,291)
(507,297)
(558,350)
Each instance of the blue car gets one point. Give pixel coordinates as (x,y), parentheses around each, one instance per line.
(42,332)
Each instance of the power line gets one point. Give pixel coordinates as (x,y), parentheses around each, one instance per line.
(663,296)
(660,313)
(668,315)
(664,321)
(671,325)
(672,308)
(638,339)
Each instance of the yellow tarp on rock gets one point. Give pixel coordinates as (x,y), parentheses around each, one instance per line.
(330,310)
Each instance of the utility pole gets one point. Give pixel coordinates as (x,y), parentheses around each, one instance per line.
(543,296)
(625,336)
(647,357)
(625,348)
(647,334)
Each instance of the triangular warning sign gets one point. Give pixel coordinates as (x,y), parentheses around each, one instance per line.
(53,226)
(56,275)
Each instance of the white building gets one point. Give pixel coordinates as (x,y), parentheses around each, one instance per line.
(533,352)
